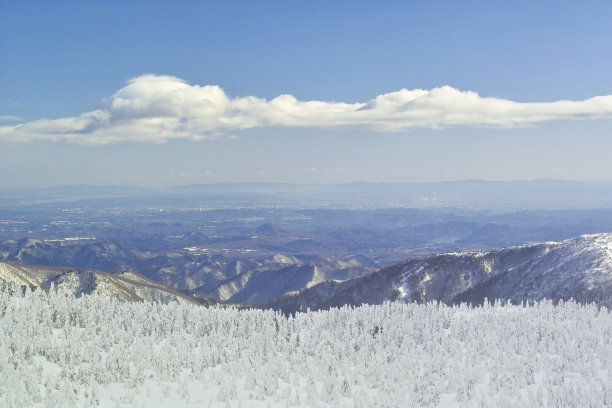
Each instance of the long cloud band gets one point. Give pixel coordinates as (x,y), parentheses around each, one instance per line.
(154,108)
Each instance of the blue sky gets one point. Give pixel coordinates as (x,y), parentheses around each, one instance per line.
(61,60)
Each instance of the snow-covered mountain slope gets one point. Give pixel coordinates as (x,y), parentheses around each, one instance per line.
(193,268)
(579,268)
(279,275)
(128,286)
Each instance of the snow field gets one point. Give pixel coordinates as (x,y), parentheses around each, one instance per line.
(59,351)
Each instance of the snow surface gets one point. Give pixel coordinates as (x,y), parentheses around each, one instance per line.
(554,270)
(61,351)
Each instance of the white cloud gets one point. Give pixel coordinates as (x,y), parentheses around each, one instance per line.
(9,118)
(153,108)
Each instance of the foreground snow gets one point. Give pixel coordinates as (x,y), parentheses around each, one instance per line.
(58,351)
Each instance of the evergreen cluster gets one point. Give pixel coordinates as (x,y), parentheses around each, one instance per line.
(61,351)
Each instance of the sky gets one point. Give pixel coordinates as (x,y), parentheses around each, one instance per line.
(158,93)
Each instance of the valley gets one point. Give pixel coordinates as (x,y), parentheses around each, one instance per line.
(255,253)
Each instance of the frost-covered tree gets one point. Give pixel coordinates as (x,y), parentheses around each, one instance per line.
(57,350)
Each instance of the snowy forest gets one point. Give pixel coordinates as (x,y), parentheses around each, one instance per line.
(62,351)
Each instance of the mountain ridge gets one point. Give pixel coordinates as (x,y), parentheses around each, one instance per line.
(127,286)
(578,268)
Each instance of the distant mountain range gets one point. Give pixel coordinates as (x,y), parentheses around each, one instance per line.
(127,286)
(192,269)
(579,268)
(543,193)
